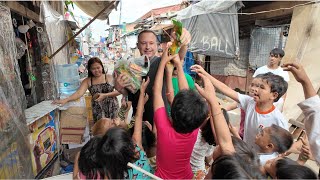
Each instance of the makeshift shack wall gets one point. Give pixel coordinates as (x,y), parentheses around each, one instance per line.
(14,161)
(263,40)
(231,66)
(303,46)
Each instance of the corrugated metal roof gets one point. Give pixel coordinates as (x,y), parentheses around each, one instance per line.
(158,11)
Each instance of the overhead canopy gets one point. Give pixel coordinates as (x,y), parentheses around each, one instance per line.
(161,27)
(205,7)
(213,26)
(91,8)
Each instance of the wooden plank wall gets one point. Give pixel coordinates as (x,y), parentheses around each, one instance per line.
(303,46)
(23,10)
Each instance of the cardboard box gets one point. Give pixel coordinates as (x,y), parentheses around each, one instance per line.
(74,117)
(73,131)
(71,139)
(72,125)
(76,103)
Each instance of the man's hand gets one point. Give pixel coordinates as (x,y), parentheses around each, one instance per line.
(121,82)
(297,71)
(305,152)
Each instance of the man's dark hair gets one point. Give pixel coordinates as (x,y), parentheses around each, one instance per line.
(277,51)
(280,138)
(277,83)
(147,31)
(188,111)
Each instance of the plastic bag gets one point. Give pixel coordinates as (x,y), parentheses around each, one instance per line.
(135,69)
(21,47)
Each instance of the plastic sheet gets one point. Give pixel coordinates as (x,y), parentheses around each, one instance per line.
(55,26)
(214,29)
(14,150)
(206,7)
(232,66)
(51,39)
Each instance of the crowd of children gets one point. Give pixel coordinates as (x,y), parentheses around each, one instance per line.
(193,138)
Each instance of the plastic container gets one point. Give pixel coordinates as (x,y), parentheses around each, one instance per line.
(68,78)
(69,87)
(67,72)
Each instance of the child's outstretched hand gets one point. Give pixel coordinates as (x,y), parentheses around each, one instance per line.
(144,84)
(305,153)
(166,58)
(208,92)
(297,71)
(169,68)
(198,69)
(176,61)
(234,131)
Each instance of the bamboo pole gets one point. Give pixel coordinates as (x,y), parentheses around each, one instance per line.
(84,27)
(143,171)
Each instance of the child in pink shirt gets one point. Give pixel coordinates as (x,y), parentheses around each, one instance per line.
(176,138)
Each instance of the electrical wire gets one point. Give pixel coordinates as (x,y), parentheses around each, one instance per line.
(273,10)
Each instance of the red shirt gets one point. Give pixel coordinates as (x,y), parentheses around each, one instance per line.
(173,149)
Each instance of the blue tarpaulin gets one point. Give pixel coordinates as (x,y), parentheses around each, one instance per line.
(188,62)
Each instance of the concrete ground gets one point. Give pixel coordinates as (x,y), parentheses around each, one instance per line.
(234,116)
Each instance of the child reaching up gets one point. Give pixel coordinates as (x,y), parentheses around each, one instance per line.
(255,84)
(203,149)
(260,111)
(228,164)
(113,148)
(310,107)
(176,136)
(138,138)
(272,141)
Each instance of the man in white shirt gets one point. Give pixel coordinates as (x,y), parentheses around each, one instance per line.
(274,65)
